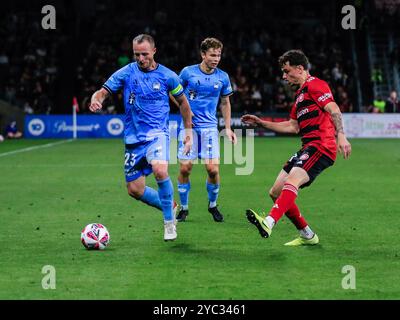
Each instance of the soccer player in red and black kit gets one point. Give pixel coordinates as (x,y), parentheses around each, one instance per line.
(317,118)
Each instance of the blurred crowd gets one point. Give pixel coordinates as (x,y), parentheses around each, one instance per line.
(254,36)
(28,63)
(250,54)
(390,104)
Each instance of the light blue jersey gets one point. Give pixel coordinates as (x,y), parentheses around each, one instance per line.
(203,92)
(146,100)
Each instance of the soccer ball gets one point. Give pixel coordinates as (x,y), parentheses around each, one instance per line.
(95,236)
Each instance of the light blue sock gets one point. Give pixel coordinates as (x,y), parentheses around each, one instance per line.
(183,189)
(213,190)
(151,198)
(166,194)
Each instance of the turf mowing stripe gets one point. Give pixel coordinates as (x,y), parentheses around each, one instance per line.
(48,145)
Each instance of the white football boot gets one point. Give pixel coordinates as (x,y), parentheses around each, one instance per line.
(170,230)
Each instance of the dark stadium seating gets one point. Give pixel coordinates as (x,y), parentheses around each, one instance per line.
(42,70)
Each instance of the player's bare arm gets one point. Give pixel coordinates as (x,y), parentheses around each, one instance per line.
(96,103)
(290,126)
(226,113)
(177,104)
(343,145)
(171,97)
(186,113)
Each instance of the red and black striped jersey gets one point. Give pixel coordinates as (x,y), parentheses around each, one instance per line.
(315,124)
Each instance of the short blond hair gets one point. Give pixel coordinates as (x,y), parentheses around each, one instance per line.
(208,43)
(144,37)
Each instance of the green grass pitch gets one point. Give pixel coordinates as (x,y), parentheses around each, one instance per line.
(48,195)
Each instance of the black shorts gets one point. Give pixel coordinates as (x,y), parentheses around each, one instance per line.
(311,160)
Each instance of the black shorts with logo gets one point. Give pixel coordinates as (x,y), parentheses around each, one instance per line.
(311,160)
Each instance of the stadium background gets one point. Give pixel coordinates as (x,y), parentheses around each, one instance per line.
(41,71)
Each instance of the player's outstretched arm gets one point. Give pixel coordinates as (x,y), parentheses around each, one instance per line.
(343,145)
(186,113)
(290,126)
(96,103)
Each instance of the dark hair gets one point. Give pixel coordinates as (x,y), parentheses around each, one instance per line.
(144,37)
(208,43)
(295,58)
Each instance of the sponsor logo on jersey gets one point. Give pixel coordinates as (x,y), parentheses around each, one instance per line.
(324,97)
(131,98)
(192,94)
(302,112)
(156,86)
(218,84)
(300,98)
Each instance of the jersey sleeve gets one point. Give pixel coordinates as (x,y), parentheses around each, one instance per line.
(184,77)
(174,86)
(117,80)
(226,87)
(320,93)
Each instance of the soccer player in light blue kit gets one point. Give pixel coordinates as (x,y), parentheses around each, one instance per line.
(206,86)
(146,86)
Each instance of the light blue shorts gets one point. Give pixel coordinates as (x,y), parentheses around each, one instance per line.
(138,157)
(205,144)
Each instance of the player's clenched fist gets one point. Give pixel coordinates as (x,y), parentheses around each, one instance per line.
(95,106)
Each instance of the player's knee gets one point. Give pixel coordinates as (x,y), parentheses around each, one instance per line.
(135,192)
(212,171)
(185,169)
(160,173)
(274,193)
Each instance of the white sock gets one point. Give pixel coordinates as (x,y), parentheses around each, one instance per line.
(269,221)
(212,204)
(185,207)
(307,233)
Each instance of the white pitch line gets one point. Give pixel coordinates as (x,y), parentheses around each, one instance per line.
(48,145)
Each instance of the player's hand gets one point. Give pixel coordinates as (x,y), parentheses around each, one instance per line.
(188,142)
(231,136)
(95,106)
(250,119)
(344,146)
